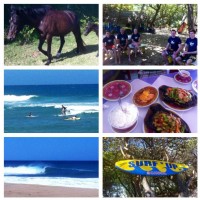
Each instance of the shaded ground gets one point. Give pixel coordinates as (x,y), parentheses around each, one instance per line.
(152,56)
(28,54)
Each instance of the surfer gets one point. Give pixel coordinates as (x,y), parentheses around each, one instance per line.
(30,114)
(63,110)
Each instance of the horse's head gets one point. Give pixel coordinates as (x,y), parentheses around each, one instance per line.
(88,28)
(16,23)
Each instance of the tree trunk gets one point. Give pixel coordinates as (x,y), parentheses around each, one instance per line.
(157,9)
(190,16)
(119,14)
(183,186)
(139,16)
(147,189)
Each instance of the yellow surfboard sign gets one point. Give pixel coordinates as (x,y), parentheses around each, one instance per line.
(150,167)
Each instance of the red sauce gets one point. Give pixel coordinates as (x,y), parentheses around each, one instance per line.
(111,90)
(183,79)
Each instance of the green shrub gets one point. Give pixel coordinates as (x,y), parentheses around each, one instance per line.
(27,35)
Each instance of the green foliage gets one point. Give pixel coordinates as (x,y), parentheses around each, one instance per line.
(27,35)
(180,150)
(169,15)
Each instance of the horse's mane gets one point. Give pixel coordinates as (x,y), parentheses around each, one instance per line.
(33,12)
(31,15)
(40,11)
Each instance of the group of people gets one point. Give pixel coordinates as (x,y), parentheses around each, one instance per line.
(174,53)
(115,46)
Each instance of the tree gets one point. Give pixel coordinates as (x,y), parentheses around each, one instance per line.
(191,24)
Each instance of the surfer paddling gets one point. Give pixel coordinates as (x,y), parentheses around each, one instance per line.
(30,114)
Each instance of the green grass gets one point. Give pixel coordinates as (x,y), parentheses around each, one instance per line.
(28,54)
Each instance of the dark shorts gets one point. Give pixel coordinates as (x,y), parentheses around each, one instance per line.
(187,57)
(169,52)
(110,47)
(121,47)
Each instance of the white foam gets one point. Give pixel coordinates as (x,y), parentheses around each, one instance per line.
(75,108)
(12,98)
(55,181)
(25,170)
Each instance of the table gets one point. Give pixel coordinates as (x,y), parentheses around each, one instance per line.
(190,116)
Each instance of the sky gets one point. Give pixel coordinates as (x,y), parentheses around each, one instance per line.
(50,77)
(41,149)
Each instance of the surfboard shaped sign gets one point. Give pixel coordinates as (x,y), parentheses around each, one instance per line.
(150,167)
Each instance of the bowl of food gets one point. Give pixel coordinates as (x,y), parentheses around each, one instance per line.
(112,90)
(145,96)
(123,119)
(183,77)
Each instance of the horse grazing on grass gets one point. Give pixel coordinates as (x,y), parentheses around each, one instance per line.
(48,23)
(92,27)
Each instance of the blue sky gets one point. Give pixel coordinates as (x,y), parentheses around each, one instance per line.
(66,149)
(50,77)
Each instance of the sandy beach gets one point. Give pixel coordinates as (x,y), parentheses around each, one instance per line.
(26,190)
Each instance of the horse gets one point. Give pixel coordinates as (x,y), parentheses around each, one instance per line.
(49,23)
(92,27)
(60,23)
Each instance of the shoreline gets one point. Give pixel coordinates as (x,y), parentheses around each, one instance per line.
(30,190)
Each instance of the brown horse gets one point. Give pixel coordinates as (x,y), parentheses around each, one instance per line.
(92,27)
(59,23)
(48,23)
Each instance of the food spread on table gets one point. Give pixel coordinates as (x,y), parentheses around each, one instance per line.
(158,119)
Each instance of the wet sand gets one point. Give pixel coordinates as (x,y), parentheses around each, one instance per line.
(26,190)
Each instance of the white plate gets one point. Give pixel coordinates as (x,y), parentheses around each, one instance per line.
(176,109)
(195,86)
(181,81)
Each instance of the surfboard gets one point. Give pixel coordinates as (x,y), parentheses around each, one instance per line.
(73,119)
(31,116)
(150,167)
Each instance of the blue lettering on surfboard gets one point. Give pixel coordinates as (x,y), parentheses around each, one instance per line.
(139,163)
(131,164)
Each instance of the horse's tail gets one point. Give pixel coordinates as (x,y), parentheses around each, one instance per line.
(77,32)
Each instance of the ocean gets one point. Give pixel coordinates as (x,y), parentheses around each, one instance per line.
(81,174)
(44,102)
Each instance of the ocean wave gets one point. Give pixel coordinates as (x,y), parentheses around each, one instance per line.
(24,170)
(12,98)
(55,181)
(73,109)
